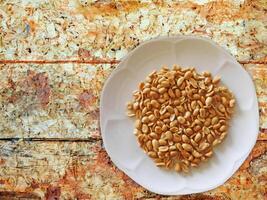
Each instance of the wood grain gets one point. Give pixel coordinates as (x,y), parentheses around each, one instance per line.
(55,57)
(83,170)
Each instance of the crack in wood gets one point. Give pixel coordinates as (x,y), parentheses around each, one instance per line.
(258,62)
(10,195)
(97,61)
(59,61)
(91,140)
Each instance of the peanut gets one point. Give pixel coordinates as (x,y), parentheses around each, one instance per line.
(180,116)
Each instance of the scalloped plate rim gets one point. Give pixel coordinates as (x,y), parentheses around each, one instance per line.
(184,190)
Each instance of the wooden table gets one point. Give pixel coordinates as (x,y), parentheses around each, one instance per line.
(54,59)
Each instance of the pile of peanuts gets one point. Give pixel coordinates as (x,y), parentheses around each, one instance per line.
(180,115)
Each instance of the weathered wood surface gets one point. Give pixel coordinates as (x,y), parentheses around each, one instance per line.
(54,59)
(51,101)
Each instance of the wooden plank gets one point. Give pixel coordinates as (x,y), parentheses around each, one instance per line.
(82,170)
(61,101)
(258,73)
(51,101)
(74,29)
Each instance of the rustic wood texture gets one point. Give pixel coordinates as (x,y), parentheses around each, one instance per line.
(51,101)
(54,59)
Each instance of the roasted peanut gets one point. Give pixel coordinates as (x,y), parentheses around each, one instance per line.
(180,116)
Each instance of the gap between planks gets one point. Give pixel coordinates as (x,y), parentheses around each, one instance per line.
(91,140)
(97,61)
(59,61)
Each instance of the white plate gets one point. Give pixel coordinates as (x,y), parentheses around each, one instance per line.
(117,128)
